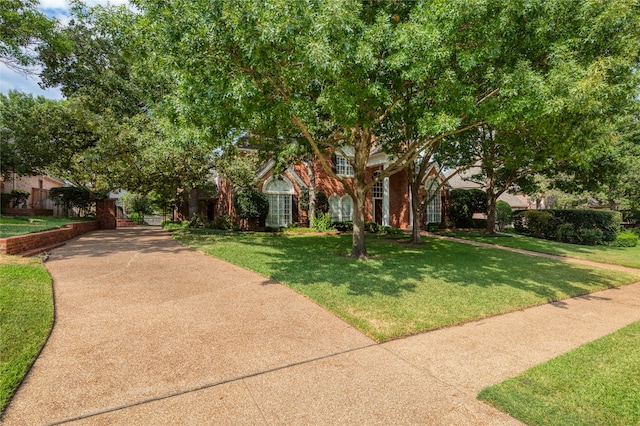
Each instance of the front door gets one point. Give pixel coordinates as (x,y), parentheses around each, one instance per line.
(377,210)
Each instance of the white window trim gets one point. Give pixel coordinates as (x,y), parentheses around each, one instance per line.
(278,194)
(337,213)
(343,168)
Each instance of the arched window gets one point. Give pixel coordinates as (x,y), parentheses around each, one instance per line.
(279,191)
(346,209)
(341,209)
(432,212)
(334,208)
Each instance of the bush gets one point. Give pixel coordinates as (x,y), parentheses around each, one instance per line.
(322,202)
(137,218)
(503,214)
(17,198)
(478,223)
(540,223)
(631,216)
(432,227)
(371,227)
(322,222)
(343,226)
(251,204)
(71,197)
(463,203)
(519,222)
(390,230)
(588,227)
(222,222)
(626,239)
(566,233)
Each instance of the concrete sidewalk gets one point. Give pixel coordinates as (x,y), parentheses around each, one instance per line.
(150,332)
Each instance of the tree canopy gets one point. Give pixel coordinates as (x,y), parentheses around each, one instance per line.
(354,74)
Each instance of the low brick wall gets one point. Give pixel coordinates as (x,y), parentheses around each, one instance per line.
(27,212)
(22,243)
(123,223)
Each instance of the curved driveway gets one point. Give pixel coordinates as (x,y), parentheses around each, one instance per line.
(150,332)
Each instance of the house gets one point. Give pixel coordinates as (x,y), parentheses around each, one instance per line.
(463,180)
(38,203)
(387,204)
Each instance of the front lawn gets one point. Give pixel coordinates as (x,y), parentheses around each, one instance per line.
(26,317)
(20,225)
(625,256)
(595,384)
(405,288)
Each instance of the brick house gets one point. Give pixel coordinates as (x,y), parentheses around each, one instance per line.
(388,204)
(38,203)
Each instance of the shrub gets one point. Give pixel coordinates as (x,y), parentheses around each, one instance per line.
(223,222)
(322,222)
(566,233)
(371,227)
(463,203)
(432,227)
(251,204)
(17,198)
(519,222)
(540,223)
(390,230)
(71,197)
(503,214)
(343,226)
(137,218)
(626,239)
(589,237)
(478,223)
(322,202)
(608,222)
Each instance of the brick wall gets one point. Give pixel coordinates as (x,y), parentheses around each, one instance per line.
(22,243)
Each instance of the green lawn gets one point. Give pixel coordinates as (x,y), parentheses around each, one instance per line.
(405,289)
(26,317)
(625,256)
(20,225)
(596,384)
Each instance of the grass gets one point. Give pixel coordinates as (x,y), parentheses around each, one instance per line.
(20,225)
(625,256)
(595,384)
(405,289)
(26,317)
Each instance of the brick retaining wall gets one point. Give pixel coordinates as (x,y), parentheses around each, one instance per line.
(23,243)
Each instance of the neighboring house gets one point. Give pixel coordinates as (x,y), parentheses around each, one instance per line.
(463,181)
(388,204)
(38,187)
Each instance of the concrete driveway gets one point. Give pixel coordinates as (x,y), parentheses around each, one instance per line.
(150,332)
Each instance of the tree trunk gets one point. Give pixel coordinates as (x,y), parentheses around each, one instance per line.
(193,203)
(358,247)
(491,211)
(414,185)
(312,191)
(361,148)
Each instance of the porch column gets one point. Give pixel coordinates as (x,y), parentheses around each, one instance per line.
(385,200)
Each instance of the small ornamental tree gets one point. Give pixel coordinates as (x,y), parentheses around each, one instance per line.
(503,214)
(71,197)
(250,204)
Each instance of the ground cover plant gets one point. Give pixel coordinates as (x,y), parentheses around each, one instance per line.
(404,288)
(20,225)
(26,317)
(596,384)
(625,256)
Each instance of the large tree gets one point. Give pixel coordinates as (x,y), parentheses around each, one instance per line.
(22,29)
(344,67)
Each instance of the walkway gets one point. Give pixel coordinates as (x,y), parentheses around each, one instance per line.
(150,332)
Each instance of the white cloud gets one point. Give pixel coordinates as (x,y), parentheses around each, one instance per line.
(12,80)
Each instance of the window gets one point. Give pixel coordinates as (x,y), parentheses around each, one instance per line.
(341,209)
(278,191)
(378,187)
(343,168)
(347,209)
(432,213)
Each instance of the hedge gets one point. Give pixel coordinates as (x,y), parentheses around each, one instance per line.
(587,227)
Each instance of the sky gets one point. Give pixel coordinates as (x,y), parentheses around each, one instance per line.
(10,80)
